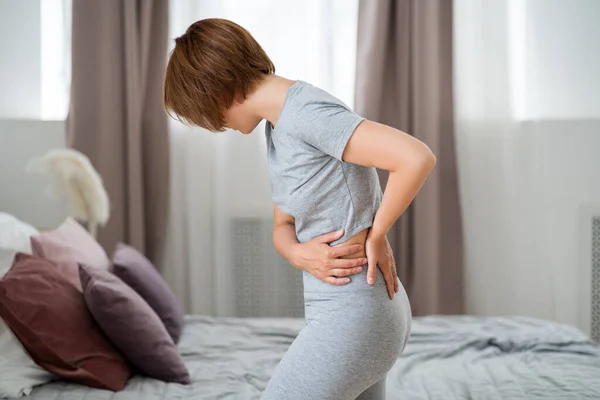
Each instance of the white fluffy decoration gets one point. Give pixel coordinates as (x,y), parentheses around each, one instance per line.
(74,176)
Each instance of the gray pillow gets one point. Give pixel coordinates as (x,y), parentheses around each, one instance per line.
(138,272)
(131,325)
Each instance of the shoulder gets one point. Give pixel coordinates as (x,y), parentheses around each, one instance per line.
(313,108)
(310,96)
(321,119)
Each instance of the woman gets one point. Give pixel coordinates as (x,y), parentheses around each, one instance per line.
(322,159)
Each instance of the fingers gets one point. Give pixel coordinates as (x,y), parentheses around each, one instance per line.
(345,271)
(330,237)
(392,267)
(346,250)
(336,281)
(371,271)
(388,276)
(347,262)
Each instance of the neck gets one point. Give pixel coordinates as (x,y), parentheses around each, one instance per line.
(267,99)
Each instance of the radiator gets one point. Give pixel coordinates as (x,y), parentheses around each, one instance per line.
(266,285)
(590,271)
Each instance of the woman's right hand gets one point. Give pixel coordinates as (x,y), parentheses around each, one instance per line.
(323,261)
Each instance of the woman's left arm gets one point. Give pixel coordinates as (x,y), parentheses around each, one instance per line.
(409,162)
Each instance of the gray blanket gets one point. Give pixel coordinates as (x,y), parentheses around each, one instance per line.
(447,358)
(495,358)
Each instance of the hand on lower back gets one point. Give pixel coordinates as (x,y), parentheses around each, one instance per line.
(322,261)
(380,254)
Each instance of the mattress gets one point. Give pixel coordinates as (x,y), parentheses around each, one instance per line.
(458,357)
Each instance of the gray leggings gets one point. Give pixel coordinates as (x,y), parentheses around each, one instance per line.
(352,337)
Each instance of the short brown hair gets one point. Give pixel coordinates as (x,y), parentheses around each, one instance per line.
(214,62)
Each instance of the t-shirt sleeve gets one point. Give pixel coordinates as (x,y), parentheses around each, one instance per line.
(325,123)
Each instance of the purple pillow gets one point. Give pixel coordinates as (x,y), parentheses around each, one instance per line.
(138,272)
(131,325)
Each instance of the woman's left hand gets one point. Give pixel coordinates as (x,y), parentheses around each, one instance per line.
(379,254)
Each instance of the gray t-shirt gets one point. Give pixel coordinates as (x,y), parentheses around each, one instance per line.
(308,178)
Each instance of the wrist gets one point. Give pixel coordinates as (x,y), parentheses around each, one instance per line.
(376,233)
(294,255)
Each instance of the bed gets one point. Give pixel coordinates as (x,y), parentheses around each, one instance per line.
(456,357)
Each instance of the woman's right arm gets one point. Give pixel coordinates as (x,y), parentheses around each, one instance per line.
(315,256)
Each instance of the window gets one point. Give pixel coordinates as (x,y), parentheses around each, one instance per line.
(562,59)
(35,51)
(55,58)
(526,60)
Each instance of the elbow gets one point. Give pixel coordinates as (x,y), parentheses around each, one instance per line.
(424,160)
(429,159)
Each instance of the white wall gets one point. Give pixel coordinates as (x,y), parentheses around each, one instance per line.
(20,59)
(22,194)
(569,179)
(521,191)
(563,39)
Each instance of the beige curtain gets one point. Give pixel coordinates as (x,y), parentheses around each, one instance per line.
(116,118)
(404,79)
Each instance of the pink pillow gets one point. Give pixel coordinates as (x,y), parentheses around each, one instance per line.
(68,245)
